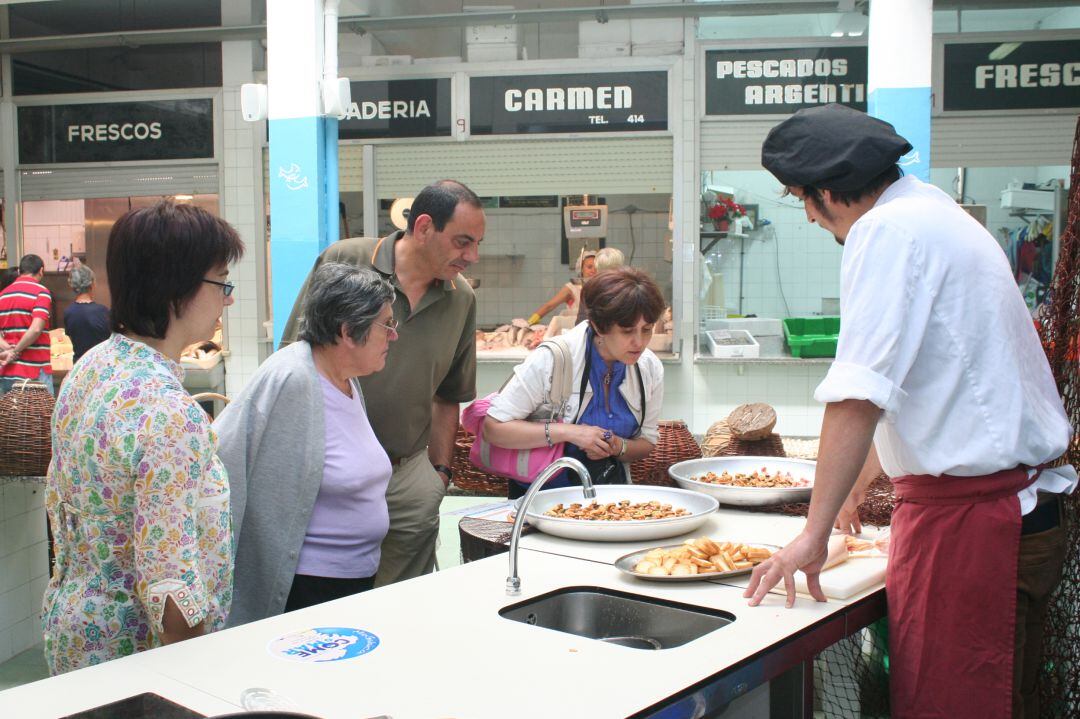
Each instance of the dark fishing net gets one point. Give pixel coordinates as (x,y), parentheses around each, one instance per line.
(1059,682)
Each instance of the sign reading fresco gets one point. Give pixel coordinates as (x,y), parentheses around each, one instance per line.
(1012,75)
(585,102)
(397,108)
(116,131)
(762,82)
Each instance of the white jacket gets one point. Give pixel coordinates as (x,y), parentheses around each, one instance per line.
(527,391)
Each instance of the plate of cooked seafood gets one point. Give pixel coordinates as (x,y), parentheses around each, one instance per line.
(695,559)
(747,481)
(619,512)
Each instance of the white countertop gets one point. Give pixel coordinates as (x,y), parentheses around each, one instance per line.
(445,652)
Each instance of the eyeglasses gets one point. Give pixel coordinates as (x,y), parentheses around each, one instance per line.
(391,326)
(226,287)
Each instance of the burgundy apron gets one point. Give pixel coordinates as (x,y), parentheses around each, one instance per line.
(951,588)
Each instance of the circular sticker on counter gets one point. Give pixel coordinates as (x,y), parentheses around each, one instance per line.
(323,644)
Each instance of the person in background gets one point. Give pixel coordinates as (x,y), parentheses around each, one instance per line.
(570,293)
(86,322)
(25,309)
(8,276)
(612,417)
(939,380)
(607,258)
(307,474)
(137,498)
(413,403)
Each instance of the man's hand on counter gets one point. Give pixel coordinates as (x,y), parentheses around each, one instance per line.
(806,552)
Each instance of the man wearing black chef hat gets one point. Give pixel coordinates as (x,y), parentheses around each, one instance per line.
(939,381)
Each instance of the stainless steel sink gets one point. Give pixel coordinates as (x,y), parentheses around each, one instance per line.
(617,617)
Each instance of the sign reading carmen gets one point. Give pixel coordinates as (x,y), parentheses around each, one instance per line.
(587,102)
(116,131)
(1029,76)
(759,82)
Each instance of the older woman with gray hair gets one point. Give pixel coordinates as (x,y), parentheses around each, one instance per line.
(85,321)
(307,475)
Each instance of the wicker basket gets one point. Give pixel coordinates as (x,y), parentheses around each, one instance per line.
(26,430)
(675,445)
(470,478)
(719,442)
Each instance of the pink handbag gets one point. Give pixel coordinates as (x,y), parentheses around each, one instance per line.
(522,464)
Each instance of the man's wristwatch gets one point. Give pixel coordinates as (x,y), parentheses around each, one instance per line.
(444,470)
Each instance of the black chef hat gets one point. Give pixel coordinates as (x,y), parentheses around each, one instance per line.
(831,147)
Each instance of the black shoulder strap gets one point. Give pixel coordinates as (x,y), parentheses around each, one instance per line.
(584,375)
(641,388)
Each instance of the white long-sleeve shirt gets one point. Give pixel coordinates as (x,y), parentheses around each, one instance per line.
(936,334)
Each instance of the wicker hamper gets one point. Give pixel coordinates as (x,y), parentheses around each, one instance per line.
(26,430)
(676,444)
(468,477)
(719,442)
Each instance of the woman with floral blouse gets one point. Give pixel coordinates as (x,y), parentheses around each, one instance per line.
(137,498)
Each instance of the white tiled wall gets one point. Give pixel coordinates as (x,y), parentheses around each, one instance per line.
(24,566)
(241,198)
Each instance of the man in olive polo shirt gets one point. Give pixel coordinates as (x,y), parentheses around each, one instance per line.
(430,369)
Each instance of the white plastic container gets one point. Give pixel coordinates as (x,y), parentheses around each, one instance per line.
(734,344)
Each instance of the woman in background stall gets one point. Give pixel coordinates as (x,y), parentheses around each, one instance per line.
(570,293)
(86,322)
(137,499)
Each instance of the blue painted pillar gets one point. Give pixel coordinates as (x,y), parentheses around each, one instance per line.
(302,194)
(900,48)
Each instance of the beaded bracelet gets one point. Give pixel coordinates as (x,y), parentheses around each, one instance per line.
(547,433)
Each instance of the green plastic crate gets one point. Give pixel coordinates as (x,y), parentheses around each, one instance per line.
(812,336)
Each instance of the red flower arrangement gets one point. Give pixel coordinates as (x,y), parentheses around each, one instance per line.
(724,211)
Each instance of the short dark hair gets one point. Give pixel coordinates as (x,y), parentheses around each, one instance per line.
(157,259)
(31,265)
(8,276)
(849,197)
(622,296)
(439,200)
(342,294)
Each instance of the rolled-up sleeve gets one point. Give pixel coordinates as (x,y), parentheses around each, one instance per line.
(526,391)
(885,308)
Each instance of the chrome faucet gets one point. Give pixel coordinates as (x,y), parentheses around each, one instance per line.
(513,582)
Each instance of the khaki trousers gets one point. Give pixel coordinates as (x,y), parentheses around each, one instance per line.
(1041,558)
(413,497)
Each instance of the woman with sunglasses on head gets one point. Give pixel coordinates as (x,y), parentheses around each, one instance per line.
(137,499)
(613,413)
(308,475)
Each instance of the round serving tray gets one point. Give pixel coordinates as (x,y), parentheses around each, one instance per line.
(625,564)
(698,505)
(684,472)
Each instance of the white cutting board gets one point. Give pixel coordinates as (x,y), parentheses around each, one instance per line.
(845,579)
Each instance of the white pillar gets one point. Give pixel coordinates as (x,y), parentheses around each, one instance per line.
(900,49)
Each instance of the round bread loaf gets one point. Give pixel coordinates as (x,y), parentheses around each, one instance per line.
(752,422)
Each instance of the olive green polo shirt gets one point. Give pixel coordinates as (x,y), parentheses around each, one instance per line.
(434,355)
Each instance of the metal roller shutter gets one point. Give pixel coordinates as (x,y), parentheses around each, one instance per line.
(350,168)
(957,141)
(1002,140)
(529,167)
(86,183)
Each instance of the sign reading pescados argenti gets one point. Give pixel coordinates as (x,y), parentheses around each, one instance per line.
(760,82)
(585,102)
(116,131)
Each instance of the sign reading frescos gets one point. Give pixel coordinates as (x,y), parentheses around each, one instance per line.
(117,131)
(397,108)
(579,102)
(766,82)
(323,644)
(1012,75)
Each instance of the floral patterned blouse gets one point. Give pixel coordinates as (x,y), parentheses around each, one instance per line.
(139,507)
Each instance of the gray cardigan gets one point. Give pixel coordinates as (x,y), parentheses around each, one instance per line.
(272,441)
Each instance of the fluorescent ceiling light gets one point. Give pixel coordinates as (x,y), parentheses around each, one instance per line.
(852,24)
(1003,50)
